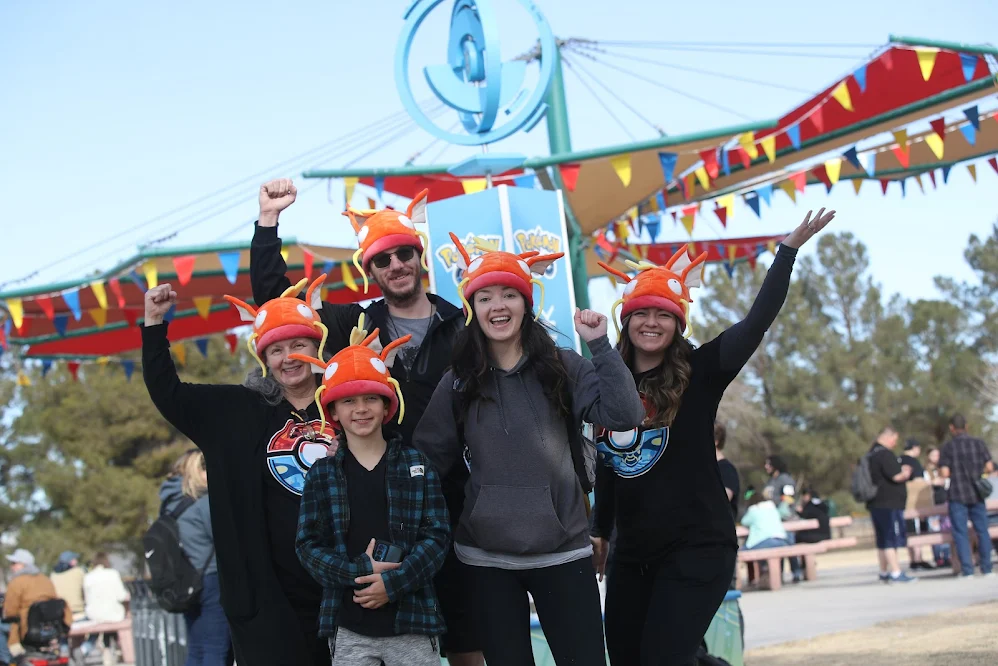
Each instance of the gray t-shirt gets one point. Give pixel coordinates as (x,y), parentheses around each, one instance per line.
(195,536)
(400,327)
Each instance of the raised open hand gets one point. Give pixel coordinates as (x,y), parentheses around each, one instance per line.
(808,228)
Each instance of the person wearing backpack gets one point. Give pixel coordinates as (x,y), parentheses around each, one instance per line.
(659,483)
(208,642)
(524,527)
(887,505)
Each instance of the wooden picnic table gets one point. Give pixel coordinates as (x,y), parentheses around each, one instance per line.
(789,526)
(942,510)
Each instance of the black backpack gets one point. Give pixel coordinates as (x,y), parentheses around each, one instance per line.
(46,623)
(864,488)
(174,581)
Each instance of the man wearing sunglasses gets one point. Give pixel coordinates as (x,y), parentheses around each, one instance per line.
(405,309)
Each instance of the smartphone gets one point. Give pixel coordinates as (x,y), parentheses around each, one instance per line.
(386,552)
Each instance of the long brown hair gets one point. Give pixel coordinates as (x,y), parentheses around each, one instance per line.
(663,388)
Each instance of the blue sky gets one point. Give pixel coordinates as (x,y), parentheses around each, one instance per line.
(115,112)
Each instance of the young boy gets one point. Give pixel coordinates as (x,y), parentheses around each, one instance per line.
(373,528)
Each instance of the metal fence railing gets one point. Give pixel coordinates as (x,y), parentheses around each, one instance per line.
(160,637)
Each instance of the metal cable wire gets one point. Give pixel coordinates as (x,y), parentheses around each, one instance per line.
(620,99)
(598,99)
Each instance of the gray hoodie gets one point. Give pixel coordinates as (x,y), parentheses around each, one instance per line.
(171,493)
(195,536)
(523,497)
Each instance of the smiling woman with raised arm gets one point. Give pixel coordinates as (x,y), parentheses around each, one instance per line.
(258,441)
(659,484)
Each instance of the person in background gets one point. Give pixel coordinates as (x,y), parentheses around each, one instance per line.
(912,451)
(780,482)
(765,526)
(208,642)
(26,586)
(105,597)
(887,507)
(812,507)
(941,552)
(729,473)
(67,577)
(964,459)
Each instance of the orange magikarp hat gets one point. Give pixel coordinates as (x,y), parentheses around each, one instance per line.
(664,287)
(379,230)
(358,370)
(495,267)
(284,318)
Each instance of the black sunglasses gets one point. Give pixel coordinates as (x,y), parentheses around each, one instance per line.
(384,259)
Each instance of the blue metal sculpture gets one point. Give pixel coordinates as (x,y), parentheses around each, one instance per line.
(474,81)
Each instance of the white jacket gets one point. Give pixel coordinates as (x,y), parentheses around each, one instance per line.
(105,595)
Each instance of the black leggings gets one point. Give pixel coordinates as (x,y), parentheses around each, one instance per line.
(566,598)
(658,613)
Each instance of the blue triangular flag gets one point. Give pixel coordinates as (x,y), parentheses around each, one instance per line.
(668,161)
(869,163)
(379,185)
(230,264)
(902,181)
(860,76)
(730,268)
(725,163)
(526,180)
(6,327)
(202,345)
(852,156)
(46,366)
(653,226)
(170,313)
(973,116)
(969,65)
(970,133)
(129,368)
(138,281)
(60,321)
(1,352)
(72,299)
(752,199)
(793,133)
(641,224)
(327,267)
(946,172)
(660,198)
(766,193)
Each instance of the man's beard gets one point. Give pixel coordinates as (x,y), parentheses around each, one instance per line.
(401,297)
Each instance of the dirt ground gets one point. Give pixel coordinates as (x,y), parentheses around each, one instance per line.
(964,637)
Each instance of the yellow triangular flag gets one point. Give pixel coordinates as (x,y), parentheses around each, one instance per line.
(747,141)
(732,251)
(100,293)
(472,185)
(788,187)
(936,144)
(622,167)
(203,305)
(99,316)
(347,278)
(769,147)
(152,276)
(771,246)
(701,174)
(841,95)
(643,250)
(833,168)
(918,179)
(323,293)
(285,254)
(181,353)
(349,184)
(856,184)
(23,379)
(688,221)
(972,168)
(102,361)
(16,309)
(728,202)
(690,185)
(901,136)
(926,61)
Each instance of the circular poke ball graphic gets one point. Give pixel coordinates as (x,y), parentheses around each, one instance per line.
(292,452)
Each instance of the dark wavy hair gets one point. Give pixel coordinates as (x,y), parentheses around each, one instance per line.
(663,389)
(471,363)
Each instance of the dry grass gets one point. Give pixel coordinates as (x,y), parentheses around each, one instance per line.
(964,637)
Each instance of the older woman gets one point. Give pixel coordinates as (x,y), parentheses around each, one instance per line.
(258,441)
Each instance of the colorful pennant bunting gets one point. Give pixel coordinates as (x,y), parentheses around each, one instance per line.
(379,187)
(308,261)
(703,178)
(115,285)
(765,193)
(833,168)
(860,76)
(994,163)
(526,181)
(841,95)
(821,173)
(230,265)
(45,303)
(346,276)
(728,202)
(709,158)
(725,162)
(747,141)
(722,215)
(939,127)
(622,167)
(853,157)
(74,369)
(72,299)
(688,222)
(856,184)
(184,267)
(61,322)
(202,345)
(926,61)
(46,366)
(935,144)
(349,184)
(569,175)
(788,187)
(903,155)
(946,170)
(99,316)
(969,133)
(932,177)
(742,156)
(230,341)
(171,313)
(131,316)
(473,185)
(869,161)
(180,353)
(969,63)
(817,118)
(918,180)
(888,60)
(16,309)
(883,185)
(151,274)
(972,168)
(203,305)
(653,226)
(903,189)
(129,368)
(769,147)
(973,116)
(752,199)
(799,180)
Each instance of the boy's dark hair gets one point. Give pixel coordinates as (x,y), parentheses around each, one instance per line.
(720,435)
(777,463)
(958,422)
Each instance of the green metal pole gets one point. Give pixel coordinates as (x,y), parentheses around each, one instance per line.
(982,49)
(560,141)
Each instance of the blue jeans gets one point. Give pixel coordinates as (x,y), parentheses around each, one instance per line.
(978,515)
(208,642)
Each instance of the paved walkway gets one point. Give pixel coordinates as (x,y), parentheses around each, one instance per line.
(852,598)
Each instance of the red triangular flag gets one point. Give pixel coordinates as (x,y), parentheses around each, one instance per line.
(709,158)
(939,127)
(45,303)
(309,260)
(932,177)
(750,257)
(74,367)
(800,180)
(570,175)
(185,268)
(230,340)
(904,156)
(821,173)
(994,163)
(742,156)
(3,339)
(883,185)
(818,118)
(131,316)
(691,210)
(674,218)
(116,290)
(888,59)
(722,215)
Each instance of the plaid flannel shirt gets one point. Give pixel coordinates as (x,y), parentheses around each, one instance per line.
(966,457)
(419,525)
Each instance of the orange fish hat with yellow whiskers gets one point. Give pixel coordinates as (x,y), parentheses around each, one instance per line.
(494,267)
(664,287)
(284,318)
(380,230)
(358,370)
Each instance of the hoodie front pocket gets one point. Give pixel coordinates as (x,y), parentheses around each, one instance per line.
(516,520)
